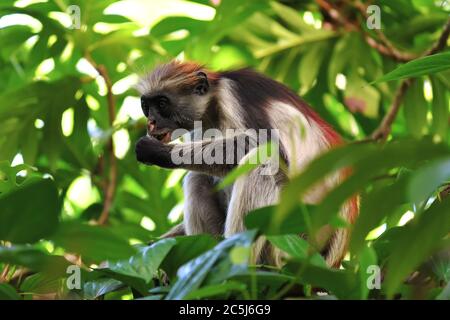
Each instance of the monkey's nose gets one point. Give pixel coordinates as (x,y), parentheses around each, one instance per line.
(151,125)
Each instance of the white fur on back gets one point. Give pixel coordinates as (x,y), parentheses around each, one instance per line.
(302,140)
(229,106)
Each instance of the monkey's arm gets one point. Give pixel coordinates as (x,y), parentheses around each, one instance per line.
(213,157)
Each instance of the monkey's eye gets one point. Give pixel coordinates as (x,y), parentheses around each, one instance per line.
(162,102)
(144,106)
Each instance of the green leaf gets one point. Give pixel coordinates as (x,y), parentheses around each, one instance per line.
(185,249)
(94,289)
(291,17)
(7,292)
(146,263)
(440,109)
(193,274)
(377,205)
(136,283)
(367,161)
(310,64)
(445,293)
(433,225)
(292,244)
(415,109)
(367,258)
(34,259)
(419,67)
(42,283)
(428,178)
(265,279)
(262,218)
(94,243)
(24,210)
(214,290)
(342,283)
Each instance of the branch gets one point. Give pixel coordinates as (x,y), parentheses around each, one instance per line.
(336,15)
(384,46)
(382,132)
(387,49)
(110,187)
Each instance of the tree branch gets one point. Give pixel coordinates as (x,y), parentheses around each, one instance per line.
(382,132)
(384,46)
(110,186)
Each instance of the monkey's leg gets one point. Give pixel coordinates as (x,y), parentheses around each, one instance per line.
(251,192)
(203,211)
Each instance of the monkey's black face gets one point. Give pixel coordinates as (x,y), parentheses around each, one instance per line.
(175,108)
(166,112)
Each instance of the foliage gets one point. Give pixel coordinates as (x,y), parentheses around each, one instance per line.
(71,191)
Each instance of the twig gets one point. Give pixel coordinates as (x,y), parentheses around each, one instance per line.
(388,50)
(336,15)
(382,132)
(110,187)
(442,41)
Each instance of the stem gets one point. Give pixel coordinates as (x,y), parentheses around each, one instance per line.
(110,185)
(383,130)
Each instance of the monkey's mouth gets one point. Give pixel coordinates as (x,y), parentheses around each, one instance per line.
(163,135)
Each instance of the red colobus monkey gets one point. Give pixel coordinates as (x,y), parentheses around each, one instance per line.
(176,94)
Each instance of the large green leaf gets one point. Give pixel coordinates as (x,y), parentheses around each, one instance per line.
(42,283)
(432,226)
(30,212)
(428,178)
(342,283)
(34,259)
(146,262)
(367,260)
(292,244)
(367,162)
(96,288)
(377,205)
(415,109)
(217,289)
(440,108)
(419,67)
(7,292)
(185,249)
(193,274)
(94,243)
(262,218)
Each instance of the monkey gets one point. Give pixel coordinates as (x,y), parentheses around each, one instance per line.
(176,95)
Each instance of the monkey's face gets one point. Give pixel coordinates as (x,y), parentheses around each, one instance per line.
(175,108)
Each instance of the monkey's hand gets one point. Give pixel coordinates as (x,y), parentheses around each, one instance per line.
(151,151)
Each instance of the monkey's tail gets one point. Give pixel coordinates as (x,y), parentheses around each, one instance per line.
(338,244)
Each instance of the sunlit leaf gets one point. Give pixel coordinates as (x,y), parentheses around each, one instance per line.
(419,67)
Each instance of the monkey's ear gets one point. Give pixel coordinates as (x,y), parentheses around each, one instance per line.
(202,85)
